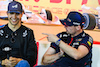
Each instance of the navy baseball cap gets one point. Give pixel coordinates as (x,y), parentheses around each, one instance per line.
(73,19)
(15,6)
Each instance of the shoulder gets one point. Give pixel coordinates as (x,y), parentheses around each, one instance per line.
(2,30)
(25,31)
(87,37)
(26,28)
(2,26)
(87,41)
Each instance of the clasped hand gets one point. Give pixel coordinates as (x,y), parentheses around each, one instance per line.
(11,62)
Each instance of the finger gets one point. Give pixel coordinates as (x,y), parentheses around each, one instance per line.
(13,63)
(45,33)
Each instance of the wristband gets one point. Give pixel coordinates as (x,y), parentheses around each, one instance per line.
(58,42)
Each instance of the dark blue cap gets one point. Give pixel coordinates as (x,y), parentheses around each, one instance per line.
(15,6)
(73,19)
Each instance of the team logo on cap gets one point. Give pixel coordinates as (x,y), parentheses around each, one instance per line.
(75,23)
(15,6)
(65,24)
(69,20)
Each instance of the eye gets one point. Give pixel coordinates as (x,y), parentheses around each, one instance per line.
(12,13)
(17,13)
(41,13)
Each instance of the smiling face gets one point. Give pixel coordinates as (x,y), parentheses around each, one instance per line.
(14,18)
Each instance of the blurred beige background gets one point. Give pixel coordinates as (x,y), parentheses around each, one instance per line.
(53,29)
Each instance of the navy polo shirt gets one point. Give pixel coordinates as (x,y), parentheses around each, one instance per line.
(81,39)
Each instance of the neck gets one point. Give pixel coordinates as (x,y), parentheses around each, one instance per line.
(14,27)
(77,33)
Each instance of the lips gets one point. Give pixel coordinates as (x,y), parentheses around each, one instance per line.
(14,20)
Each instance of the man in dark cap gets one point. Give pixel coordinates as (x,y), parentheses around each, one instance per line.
(17,43)
(72,48)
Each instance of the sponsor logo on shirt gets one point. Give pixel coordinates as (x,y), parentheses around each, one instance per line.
(1,32)
(25,33)
(74,44)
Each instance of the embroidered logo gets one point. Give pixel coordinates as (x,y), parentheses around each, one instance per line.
(25,33)
(83,35)
(69,20)
(6,36)
(75,44)
(65,35)
(79,39)
(1,32)
(60,35)
(89,43)
(90,39)
(75,23)
(15,6)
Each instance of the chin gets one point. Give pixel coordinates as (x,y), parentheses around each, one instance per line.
(14,23)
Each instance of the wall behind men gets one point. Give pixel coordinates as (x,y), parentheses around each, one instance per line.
(60,8)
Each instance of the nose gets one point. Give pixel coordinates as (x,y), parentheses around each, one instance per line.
(66,26)
(14,15)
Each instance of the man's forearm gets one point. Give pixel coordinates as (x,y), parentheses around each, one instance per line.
(50,58)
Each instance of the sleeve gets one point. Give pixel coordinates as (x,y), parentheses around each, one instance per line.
(88,42)
(32,49)
(63,36)
(53,45)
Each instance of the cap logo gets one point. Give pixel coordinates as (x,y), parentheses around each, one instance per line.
(75,23)
(65,23)
(15,6)
(69,20)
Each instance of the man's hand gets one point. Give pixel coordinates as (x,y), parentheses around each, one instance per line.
(60,54)
(14,61)
(6,62)
(51,37)
(11,62)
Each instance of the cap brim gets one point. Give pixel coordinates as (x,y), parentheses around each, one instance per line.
(62,21)
(66,23)
(14,12)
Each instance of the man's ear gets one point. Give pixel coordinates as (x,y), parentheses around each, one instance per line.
(7,12)
(22,13)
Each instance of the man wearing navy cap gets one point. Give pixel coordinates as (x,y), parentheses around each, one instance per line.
(17,43)
(72,48)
